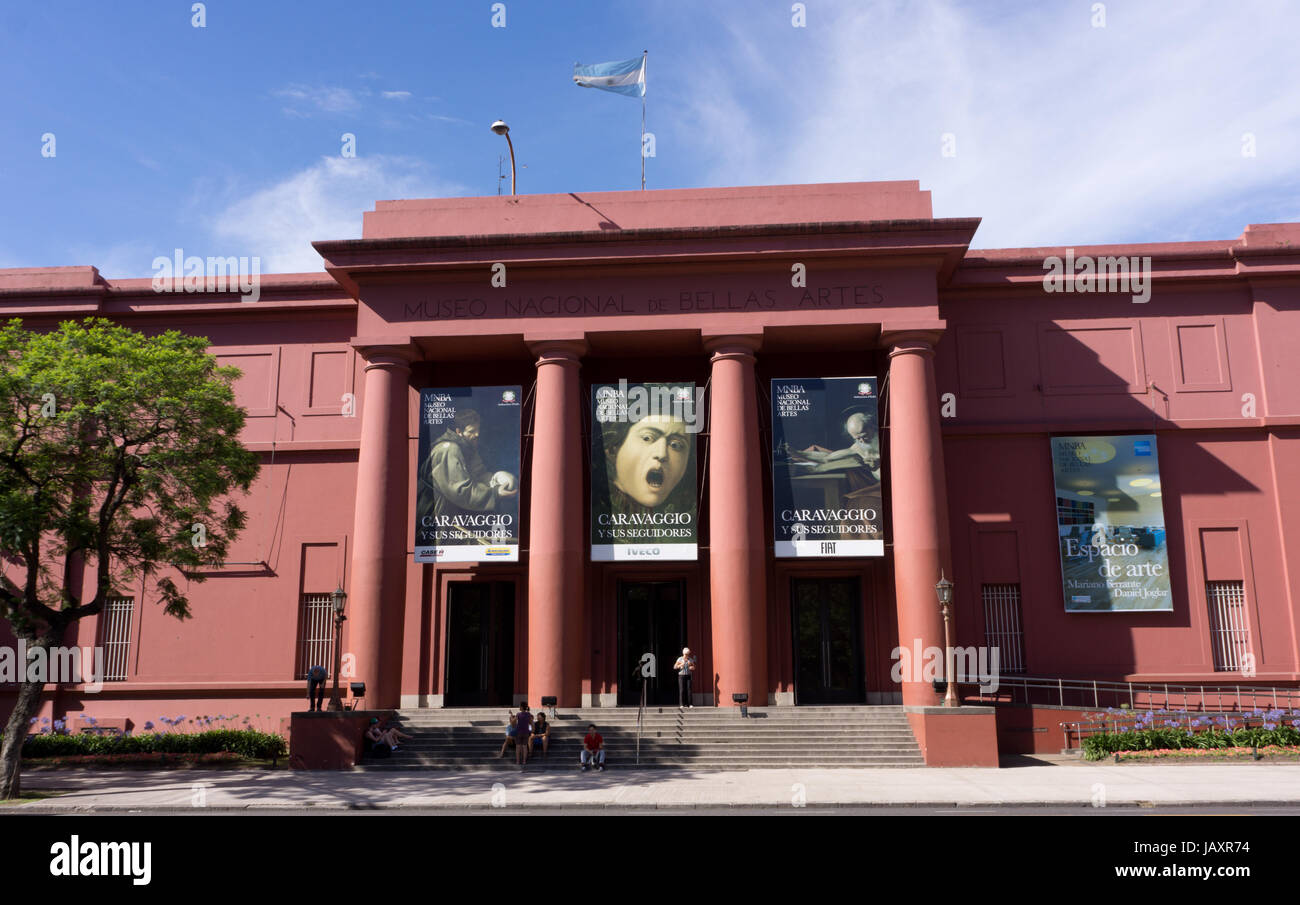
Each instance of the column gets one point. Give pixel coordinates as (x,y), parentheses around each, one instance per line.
(378,583)
(737,528)
(919,503)
(556,558)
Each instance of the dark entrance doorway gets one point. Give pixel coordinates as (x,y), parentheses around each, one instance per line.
(651,619)
(827,614)
(480,644)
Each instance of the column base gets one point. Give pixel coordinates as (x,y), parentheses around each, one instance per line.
(955,736)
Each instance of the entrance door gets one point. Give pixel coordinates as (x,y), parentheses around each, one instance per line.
(827,615)
(480,644)
(651,619)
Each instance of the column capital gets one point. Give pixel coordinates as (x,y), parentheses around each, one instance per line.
(732,345)
(912,337)
(386,350)
(556,350)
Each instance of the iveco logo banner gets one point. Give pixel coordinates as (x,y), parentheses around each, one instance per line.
(826,490)
(467,499)
(643,493)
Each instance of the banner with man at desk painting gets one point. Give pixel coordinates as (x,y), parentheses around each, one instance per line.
(1111,524)
(826,490)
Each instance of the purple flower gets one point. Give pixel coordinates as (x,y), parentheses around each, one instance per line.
(148,725)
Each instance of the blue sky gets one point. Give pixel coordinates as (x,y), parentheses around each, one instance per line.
(226,139)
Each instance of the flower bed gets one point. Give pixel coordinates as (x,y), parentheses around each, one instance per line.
(1165,731)
(246,743)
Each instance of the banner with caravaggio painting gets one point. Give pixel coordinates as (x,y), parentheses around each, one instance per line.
(826,490)
(467,496)
(644,502)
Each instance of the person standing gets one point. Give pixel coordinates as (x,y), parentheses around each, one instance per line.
(685,667)
(523,732)
(316,677)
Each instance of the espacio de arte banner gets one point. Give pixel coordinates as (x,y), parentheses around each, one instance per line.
(826,491)
(643,492)
(467,498)
(1111,524)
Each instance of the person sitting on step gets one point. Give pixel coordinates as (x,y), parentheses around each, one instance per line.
(510,733)
(593,749)
(541,735)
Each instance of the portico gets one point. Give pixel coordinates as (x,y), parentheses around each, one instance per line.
(716,286)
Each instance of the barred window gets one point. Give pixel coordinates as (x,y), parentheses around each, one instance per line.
(1229,635)
(316,637)
(1002,626)
(115,637)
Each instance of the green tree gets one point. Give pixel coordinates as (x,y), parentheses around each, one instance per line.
(117,452)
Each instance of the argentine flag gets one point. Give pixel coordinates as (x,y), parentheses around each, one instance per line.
(624,77)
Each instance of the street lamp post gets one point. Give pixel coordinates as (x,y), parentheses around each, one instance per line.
(340,599)
(943,589)
(500,128)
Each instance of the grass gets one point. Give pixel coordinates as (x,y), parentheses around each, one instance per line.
(33,795)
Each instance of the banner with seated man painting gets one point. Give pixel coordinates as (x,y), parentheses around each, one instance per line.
(467,498)
(1111,523)
(643,493)
(826,491)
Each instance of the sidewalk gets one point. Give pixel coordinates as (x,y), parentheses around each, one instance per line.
(1072,783)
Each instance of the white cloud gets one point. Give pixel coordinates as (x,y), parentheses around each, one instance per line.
(325,98)
(396,95)
(324,201)
(1064,132)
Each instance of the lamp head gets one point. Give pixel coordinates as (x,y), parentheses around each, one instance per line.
(500,128)
(944,590)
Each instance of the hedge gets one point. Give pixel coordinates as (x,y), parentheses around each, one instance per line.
(244,742)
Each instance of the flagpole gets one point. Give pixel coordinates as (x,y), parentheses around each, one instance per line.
(645,55)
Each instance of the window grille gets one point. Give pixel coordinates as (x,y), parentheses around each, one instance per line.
(1002,626)
(1229,636)
(115,637)
(316,642)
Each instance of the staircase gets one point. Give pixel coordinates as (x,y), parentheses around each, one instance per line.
(704,738)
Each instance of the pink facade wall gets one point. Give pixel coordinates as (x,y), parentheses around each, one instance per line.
(1020,363)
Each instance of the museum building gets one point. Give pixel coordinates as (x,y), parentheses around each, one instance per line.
(997,379)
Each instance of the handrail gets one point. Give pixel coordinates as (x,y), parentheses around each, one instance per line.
(640,718)
(1136,696)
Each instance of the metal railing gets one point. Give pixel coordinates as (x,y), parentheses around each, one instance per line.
(640,719)
(1178,701)
(1096,695)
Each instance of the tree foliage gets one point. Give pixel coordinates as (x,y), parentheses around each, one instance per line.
(119,448)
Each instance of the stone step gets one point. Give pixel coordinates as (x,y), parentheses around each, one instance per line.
(699,738)
(649,764)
